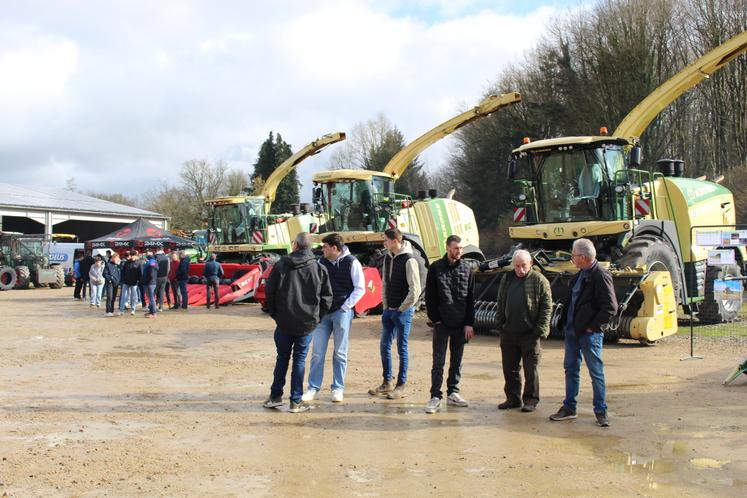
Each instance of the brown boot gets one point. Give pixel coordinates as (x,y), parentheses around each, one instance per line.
(385,388)
(398,392)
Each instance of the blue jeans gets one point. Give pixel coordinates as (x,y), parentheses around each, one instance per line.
(395,323)
(96,290)
(285,345)
(590,346)
(336,324)
(183,292)
(129,294)
(151,290)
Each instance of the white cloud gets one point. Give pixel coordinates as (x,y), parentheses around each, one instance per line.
(121,94)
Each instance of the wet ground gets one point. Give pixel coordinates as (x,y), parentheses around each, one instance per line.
(128,406)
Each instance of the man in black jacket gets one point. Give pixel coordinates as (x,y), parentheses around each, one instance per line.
(590,305)
(298,295)
(85,267)
(451,309)
(112,277)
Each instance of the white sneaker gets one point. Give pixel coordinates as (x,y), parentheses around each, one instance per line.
(456,400)
(433,405)
(337,395)
(310,395)
(132,312)
(110,314)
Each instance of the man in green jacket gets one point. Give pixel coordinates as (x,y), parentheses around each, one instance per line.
(523,316)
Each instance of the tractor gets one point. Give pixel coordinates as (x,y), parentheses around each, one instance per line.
(361,205)
(241,228)
(24,260)
(640,220)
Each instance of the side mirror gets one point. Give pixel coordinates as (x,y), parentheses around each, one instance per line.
(635,157)
(511,169)
(316,194)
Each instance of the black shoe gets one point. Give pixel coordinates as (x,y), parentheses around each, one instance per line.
(299,407)
(602,420)
(273,402)
(528,408)
(507,405)
(563,414)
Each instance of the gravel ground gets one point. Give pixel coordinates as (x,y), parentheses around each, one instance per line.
(122,406)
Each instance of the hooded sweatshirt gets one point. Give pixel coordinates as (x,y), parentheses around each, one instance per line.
(399,291)
(298,293)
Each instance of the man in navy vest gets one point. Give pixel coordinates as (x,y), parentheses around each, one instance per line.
(400,291)
(348,287)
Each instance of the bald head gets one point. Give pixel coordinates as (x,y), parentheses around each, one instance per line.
(522,262)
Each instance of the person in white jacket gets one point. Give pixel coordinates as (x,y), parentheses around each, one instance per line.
(400,292)
(96,277)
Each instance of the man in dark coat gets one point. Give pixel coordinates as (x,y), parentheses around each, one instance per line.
(450,303)
(590,305)
(298,295)
(212,272)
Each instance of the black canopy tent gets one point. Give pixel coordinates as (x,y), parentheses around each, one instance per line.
(140,234)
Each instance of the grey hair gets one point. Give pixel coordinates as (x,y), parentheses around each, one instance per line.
(586,248)
(521,254)
(303,241)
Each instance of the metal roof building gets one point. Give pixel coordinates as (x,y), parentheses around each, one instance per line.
(47,210)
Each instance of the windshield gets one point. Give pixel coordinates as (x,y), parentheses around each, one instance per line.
(233,222)
(574,184)
(351,204)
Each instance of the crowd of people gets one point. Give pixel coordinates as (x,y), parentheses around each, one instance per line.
(312,300)
(151,279)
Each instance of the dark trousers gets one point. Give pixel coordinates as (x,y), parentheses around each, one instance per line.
(174,285)
(212,283)
(78,287)
(183,293)
(288,345)
(111,296)
(161,290)
(515,349)
(85,283)
(453,338)
(143,292)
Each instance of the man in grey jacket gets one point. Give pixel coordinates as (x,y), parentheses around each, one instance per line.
(400,292)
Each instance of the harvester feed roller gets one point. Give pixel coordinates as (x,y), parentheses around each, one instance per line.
(647,306)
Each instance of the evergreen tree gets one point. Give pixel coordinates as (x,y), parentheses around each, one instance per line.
(271,154)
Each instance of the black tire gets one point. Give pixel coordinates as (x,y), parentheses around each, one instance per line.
(656,255)
(23,280)
(7,278)
(719,311)
(60,274)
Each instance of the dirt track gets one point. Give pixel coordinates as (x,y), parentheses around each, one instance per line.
(127,406)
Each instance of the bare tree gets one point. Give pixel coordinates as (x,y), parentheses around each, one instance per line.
(236,182)
(202,181)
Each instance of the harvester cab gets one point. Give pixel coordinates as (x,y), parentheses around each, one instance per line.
(640,219)
(241,227)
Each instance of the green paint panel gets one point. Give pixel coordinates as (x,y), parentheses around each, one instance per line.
(697,191)
(440,220)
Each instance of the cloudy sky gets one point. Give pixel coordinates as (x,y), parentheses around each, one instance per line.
(118,94)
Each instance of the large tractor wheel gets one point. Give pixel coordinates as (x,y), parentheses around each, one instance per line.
(59,283)
(7,278)
(712,310)
(23,280)
(656,255)
(35,277)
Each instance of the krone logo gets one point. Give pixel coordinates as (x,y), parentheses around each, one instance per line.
(558,230)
